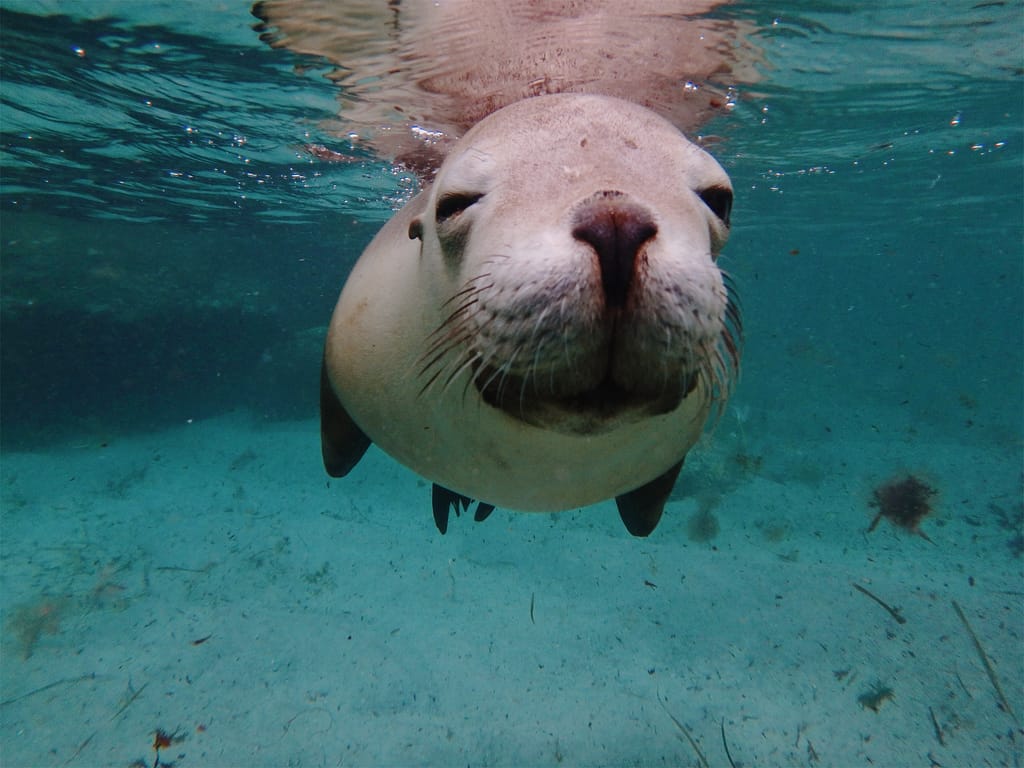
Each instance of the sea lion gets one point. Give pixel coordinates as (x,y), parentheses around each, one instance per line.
(545,325)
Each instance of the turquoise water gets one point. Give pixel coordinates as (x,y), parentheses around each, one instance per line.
(166,163)
(171,255)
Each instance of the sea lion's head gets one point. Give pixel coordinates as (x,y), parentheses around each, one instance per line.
(575,239)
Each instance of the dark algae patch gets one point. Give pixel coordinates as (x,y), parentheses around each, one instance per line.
(875,696)
(904,502)
(30,621)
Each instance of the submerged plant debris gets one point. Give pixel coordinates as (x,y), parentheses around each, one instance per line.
(874,697)
(904,502)
(30,621)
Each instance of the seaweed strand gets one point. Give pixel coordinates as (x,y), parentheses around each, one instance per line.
(894,612)
(683,729)
(987,664)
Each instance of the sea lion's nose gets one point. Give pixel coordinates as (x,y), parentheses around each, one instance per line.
(615,228)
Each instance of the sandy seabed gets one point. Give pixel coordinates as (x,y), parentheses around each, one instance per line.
(210,582)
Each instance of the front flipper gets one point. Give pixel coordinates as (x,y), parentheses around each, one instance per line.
(342,442)
(444,501)
(483,511)
(641,508)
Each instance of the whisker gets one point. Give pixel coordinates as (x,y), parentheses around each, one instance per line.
(565,343)
(470,302)
(504,370)
(538,348)
(532,373)
(443,339)
(442,347)
(721,365)
(477,365)
(495,372)
(502,375)
(482,364)
(453,331)
(471,358)
(468,289)
(665,358)
(453,368)
(443,336)
(441,355)
(464,307)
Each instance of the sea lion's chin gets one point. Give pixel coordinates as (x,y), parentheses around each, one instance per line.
(580,408)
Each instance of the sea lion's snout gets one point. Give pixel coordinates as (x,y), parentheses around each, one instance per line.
(617,229)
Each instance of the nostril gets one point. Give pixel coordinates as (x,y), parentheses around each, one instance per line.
(616,230)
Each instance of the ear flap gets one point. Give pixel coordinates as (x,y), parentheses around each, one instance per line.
(342,442)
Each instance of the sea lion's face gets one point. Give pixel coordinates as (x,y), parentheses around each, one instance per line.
(576,239)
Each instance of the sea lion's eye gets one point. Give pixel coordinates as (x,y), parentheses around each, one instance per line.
(719,200)
(452,204)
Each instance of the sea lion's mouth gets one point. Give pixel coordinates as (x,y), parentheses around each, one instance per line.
(589,410)
(567,370)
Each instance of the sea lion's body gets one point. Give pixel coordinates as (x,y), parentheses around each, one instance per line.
(483,342)
(375,351)
(545,326)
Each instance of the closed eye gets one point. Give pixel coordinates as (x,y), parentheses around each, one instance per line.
(719,200)
(452,204)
